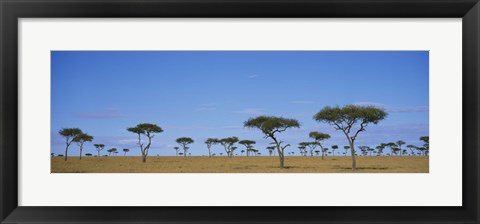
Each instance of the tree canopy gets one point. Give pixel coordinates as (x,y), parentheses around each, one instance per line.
(344,118)
(70,132)
(270,125)
(145,128)
(82,138)
(318,136)
(184,140)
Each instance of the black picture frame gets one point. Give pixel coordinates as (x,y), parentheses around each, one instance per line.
(12,10)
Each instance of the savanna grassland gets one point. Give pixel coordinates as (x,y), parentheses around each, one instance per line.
(240,164)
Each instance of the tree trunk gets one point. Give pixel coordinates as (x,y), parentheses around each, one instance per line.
(282,159)
(322,153)
(81,152)
(98,152)
(66,153)
(354,163)
(144,158)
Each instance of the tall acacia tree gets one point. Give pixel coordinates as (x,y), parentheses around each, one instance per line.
(184,142)
(228,143)
(99,147)
(81,139)
(318,137)
(125,151)
(351,120)
(210,142)
(248,144)
(270,126)
(69,134)
(148,130)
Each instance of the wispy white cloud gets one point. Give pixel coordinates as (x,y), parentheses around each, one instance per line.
(252,76)
(251,111)
(395,108)
(108,113)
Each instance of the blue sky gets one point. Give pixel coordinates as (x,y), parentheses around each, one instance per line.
(203,94)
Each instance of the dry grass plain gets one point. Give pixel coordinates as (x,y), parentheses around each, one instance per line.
(240,164)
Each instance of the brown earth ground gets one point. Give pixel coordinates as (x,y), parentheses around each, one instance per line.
(240,164)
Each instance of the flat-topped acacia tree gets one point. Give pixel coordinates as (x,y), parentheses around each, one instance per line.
(311,146)
(318,137)
(351,120)
(81,139)
(303,149)
(69,134)
(176,150)
(334,147)
(125,151)
(228,143)
(248,144)
(147,130)
(210,142)
(99,147)
(426,142)
(270,126)
(184,142)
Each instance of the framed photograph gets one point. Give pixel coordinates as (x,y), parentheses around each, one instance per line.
(247,112)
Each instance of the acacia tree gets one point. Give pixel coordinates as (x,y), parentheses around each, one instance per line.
(147,130)
(426,144)
(228,143)
(271,150)
(412,149)
(248,144)
(99,147)
(209,142)
(302,148)
(400,143)
(380,149)
(270,125)
(334,147)
(318,137)
(364,149)
(346,149)
(311,146)
(393,147)
(233,150)
(69,134)
(125,151)
(176,150)
(184,142)
(81,139)
(351,120)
